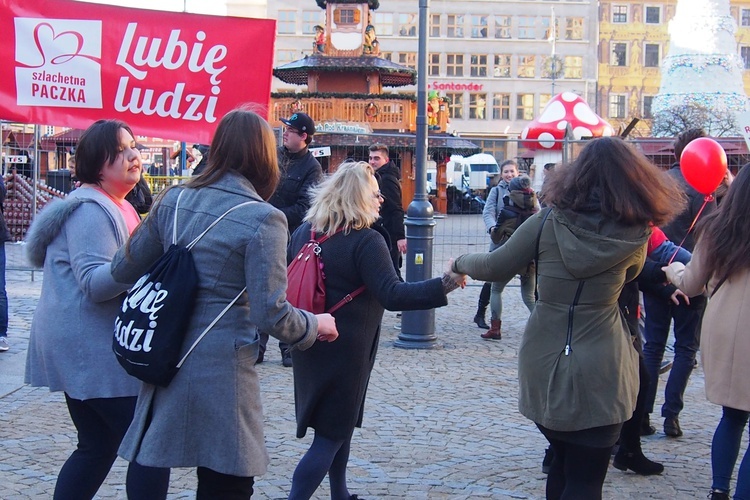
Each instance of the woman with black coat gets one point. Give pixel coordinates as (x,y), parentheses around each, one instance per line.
(330,381)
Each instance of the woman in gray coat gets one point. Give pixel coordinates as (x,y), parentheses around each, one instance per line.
(577,369)
(70,347)
(210,416)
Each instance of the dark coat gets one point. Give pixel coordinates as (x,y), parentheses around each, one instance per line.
(330,379)
(392,212)
(678,228)
(140,196)
(299,172)
(4,233)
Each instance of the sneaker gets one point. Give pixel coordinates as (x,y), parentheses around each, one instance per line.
(4,345)
(286,359)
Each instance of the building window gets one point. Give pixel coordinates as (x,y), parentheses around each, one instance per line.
(617,105)
(573,67)
(311,18)
(285,57)
(543,101)
(454,65)
(526,66)
(745,17)
(502,66)
(745,54)
(435,25)
(525,107)
(387,55)
(456,106)
(526,28)
(433,68)
(478,66)
(346,15)
(477,106)
(619,54)
(653,15)
(407,25)
(455,26)
(501,107)
(408,59)
(647,100)
(287,22)
(49,130)
(547,31)
(651,53)
(502,26)
(619,13)
(574,28)
(478,26)
(383,24)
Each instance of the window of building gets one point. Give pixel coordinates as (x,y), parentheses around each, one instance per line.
(383,24)
(647,101)
(456,106)
(454,65)
(745,17)
(311,18)
(619,54)
(478,26)
(547,31)
(617,105)
(407,25)
(387,55)
(653,14)
(526,27)
(573,67)
(619,13)
(543,101)
(455,26)
(435,25)
(346,15)
(574,28)
(526,66)
(49,130)
(408,59)
(745,54)
(478,65)
(287,22)
(477,106)
(651,55)
(502,26)
(502,66)
(501,107)
(285,57)
(433,68)
(525,107)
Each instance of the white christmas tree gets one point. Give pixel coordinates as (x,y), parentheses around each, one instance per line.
(701,77)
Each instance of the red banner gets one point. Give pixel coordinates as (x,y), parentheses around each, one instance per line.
(169,75)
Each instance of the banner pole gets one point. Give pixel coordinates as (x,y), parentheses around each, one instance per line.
(35,171)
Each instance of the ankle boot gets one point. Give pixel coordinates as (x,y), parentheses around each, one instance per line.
(494,332)
(636,462)
(479,318)
(718,495)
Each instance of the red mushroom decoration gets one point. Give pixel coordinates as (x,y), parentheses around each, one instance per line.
(563,110)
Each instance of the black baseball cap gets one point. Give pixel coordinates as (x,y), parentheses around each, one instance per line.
(301,122)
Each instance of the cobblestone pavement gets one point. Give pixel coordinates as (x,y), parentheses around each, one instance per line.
(439,424)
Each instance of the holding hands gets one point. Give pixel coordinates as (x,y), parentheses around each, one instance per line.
(327,331)
(458,279)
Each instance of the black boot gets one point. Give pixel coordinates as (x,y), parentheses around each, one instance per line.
(484,301)
(718,495)
(636,462)
(479,319)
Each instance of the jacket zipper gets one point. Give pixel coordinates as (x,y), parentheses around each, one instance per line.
(569,337)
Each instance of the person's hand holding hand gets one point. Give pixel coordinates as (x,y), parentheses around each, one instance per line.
(460,279)
(676,297)
(327,331)
(401,246)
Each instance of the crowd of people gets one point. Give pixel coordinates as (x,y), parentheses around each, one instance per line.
(602,226)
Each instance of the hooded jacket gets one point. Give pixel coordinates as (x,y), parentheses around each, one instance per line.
(587,376)
(299,172)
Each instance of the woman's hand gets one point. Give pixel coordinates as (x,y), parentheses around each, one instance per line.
(327,331)
(676,297)
(459,279)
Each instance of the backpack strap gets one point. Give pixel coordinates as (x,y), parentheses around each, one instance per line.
(536,256)
(197,238)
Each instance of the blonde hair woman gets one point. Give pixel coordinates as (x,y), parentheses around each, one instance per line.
(330,381)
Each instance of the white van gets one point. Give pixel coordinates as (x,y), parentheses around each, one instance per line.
(472,173)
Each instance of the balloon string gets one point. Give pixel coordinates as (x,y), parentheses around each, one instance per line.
(707,199)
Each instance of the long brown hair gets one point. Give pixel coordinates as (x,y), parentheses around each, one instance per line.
(243,142)
(611,177)
(724,234)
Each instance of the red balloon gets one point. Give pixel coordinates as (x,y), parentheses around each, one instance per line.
(703,164)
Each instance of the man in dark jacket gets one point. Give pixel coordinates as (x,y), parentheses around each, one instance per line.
(662,307)
(4,236)
(391,211)
(299,172)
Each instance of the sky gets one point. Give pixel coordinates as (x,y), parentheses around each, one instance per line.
(216,7)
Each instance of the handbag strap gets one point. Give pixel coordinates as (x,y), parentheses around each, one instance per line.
(536,255)
(347,298)
(211,325)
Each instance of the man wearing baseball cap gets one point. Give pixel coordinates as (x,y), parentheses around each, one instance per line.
(299,172)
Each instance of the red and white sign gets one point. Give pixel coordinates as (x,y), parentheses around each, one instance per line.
(166,74)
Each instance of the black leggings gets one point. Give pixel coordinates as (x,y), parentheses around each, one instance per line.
(214,485)
(577,472)
(324,456)
(101,424)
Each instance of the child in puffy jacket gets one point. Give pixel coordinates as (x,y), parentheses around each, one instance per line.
(518,205)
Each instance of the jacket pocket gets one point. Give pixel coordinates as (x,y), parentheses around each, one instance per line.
(246,353)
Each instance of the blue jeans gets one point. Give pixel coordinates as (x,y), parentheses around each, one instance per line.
(3,295)
(725,449)
(527,295)
(659,315)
